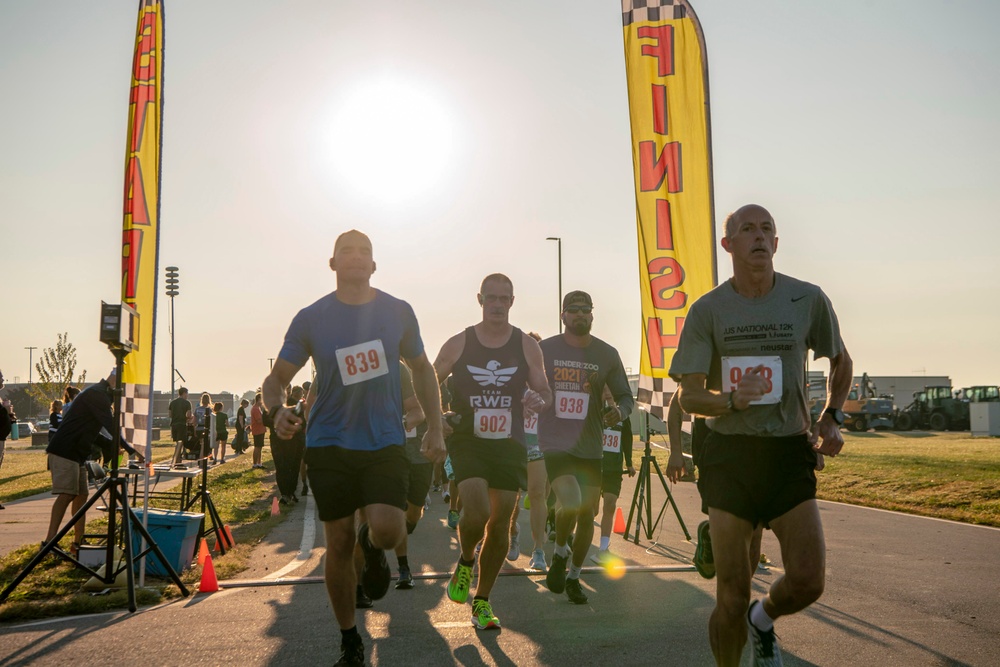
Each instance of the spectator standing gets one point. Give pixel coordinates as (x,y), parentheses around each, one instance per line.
(202,424)
(221,433)
(240,441)
(257,430)
(5,427)
(180,415)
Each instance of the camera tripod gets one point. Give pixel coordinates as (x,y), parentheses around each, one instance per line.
(117,489)
(208,510)
(642,499)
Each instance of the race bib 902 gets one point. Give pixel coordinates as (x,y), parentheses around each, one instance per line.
(734,368)
(362,362)
(492,423)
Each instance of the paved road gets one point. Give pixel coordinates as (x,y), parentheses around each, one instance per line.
(902,590)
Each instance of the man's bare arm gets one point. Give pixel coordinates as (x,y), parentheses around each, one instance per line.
(425,386)
(675,417)
(537,381)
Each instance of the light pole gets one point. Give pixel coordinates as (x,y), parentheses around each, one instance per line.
(173,289)
(31,399)
(558,239)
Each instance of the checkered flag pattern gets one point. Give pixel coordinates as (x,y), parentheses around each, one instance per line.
(652,395)
(638,11)
(135,410)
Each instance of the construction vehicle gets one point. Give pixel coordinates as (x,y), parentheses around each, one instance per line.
(865,409)
(934,408)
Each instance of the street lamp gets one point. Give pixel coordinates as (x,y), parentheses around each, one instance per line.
(558,239)
(31,399)
(173,289)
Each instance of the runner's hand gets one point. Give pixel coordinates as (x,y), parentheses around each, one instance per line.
(432,446)
(612,415)
(532,401)
(826,437)
(630,470)
(752,387)
(675,467)
(287,423)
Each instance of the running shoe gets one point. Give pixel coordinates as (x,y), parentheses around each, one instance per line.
(764,644)
(458,587)
(453,517)
(427,502)
(515,547)
(352,652)
(556,577)
(436,488)
(362,601)
(703,560)
(482,616)
(405,580)
(305,488)
(574,591)
(601,556)
(538,561)
(446,495)
(375,574)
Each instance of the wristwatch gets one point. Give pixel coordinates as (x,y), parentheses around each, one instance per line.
(836,414)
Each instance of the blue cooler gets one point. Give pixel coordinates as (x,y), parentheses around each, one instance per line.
(176,533)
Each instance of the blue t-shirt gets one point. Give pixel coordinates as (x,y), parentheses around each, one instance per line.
(356,350)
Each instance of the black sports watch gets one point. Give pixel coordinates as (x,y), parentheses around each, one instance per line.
(836,414)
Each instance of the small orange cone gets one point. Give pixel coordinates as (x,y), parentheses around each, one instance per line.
(229,536)
(275,510)
(619,527)
(209,584)
(203,552)
(218,543)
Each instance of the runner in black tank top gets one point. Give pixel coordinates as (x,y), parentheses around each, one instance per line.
(491,365)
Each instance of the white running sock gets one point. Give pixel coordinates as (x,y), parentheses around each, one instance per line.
(562,550)
(760,619)
(605,543)
(574,572)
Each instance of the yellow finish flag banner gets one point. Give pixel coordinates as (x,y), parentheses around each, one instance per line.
(666,71)
(140,226)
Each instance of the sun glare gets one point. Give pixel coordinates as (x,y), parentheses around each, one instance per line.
(391,142)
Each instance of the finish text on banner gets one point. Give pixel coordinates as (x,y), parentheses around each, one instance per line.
(668,107)
(140,226)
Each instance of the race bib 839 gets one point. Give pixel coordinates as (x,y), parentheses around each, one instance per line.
(362,362)
(734,368)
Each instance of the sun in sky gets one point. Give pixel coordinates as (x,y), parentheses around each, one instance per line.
(392,141)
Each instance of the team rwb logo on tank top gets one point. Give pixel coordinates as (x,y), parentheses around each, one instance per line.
(492,374)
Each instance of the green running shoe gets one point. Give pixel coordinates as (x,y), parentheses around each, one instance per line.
(453,517)
(704,561)
(458,587)
(482,616)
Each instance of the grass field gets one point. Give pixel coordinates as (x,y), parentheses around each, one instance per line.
(944,475)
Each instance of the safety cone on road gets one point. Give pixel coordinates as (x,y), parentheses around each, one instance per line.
(229,536)
(275,510)
(209,584)
(619,527)
(203,552)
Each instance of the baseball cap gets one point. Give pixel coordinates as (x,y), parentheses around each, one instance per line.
(577,298)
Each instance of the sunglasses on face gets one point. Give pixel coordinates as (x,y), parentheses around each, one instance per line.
(573,310)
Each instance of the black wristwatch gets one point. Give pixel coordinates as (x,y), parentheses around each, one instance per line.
(836,414)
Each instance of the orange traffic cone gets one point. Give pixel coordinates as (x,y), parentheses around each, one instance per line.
(619,527)
(218,543)
(275,510)
(209,584)
(203,552)
(229,536)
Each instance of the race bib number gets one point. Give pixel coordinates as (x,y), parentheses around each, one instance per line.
(572,404)
(492,423)
(531,423)
(734,368)
(362,362)
(612,440)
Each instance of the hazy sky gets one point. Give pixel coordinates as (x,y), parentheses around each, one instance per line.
(460,135)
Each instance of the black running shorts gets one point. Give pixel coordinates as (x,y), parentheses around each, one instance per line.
(343,480)
(420,482)
(179,432)
(611,473)
(502,463)
(756,478)
(587,471)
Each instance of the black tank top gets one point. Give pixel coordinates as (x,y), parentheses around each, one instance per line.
(488,385)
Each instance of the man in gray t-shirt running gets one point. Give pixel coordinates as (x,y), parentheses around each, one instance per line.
(741,362)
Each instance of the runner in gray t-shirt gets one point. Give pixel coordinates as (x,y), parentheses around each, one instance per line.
(571,432)
(741,362)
